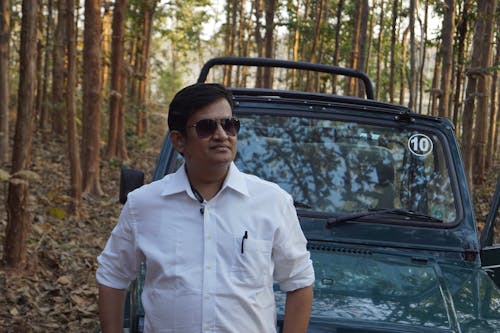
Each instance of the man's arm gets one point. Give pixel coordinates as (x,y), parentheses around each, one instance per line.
(111,306)
(297,310)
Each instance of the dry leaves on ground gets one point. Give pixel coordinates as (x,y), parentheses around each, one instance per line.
(57,292)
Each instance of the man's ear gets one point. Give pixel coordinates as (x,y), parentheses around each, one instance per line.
(178,140)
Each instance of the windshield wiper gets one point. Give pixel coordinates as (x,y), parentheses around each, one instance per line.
(333,221)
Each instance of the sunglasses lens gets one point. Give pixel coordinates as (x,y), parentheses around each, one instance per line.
(231,126)
(206,127)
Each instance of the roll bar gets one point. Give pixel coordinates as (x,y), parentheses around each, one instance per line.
(269,62)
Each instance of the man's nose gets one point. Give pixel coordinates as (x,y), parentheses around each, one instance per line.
(220,132)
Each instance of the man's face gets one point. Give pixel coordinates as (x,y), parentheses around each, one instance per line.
(217,149)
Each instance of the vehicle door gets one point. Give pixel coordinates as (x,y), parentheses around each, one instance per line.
(490,239)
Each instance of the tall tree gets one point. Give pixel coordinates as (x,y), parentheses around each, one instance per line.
(462,32)
(230,37)
(392,70)
(259,40)
(73,151)
(147,10)
(270,9)
(379,51)
(493,127)
(446,51)
(17,200)
(412,78)
(106,40)
(44,111)
(318,14)
(117,147)
(336,50)
(4,79)
(423,56)
(488,13)
(59,70)
(91,86)
(358,48)
(402,70)
(477,85)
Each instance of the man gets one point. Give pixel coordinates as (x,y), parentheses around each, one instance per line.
(213,238)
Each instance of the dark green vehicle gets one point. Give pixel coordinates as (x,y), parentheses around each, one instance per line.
(382,197)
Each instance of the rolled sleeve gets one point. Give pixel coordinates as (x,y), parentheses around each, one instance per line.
(293,266)
(119,262)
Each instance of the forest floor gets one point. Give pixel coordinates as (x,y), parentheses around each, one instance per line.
(57,292)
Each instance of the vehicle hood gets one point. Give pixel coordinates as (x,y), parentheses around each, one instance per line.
(371,291)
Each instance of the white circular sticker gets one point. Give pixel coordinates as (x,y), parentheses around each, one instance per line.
(420,144)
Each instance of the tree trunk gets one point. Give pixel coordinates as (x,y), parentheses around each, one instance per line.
(44,112)
(462,29)
(392,72)
(58,71)
(370,36)
(362,45)
(296,43)
(486,14)
(358,44)
(106,44)
(476,90)
(336,52)
(446,51)
(116,139)
(318,22)
(39,63)
(143,60)
(18,218)
(402,72)
(73,151)
(4,79)
(423,57)
(379,51)
(434,92)
(229,38)
(259,41)
(242,44)
(412,79)
(91,86)
(491,152)
(270,8)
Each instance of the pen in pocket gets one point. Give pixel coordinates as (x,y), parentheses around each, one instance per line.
(245,236)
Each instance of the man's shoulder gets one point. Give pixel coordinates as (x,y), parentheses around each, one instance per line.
(153,189)
(257,184)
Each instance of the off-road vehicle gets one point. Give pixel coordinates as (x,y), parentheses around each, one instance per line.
(382,198)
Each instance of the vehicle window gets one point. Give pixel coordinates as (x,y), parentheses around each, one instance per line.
(337,166)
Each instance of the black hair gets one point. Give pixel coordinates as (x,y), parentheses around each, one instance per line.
(191,99)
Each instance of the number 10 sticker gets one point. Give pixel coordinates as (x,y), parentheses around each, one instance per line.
(420,144)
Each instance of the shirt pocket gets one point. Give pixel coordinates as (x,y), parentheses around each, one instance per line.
(252,263)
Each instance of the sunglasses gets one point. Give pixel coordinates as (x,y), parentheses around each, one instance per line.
(207,127)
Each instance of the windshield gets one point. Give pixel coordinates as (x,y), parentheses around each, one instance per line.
(338,166)
(341,167)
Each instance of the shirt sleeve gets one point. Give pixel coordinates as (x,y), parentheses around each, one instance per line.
(119,262)
(293,267)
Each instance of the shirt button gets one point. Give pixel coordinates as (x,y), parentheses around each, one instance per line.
(209,267)
(209,237)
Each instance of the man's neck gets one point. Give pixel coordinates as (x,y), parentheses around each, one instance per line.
(207,182)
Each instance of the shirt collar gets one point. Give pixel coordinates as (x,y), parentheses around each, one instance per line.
(179,182)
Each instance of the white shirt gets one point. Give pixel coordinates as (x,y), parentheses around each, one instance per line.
(202,275)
